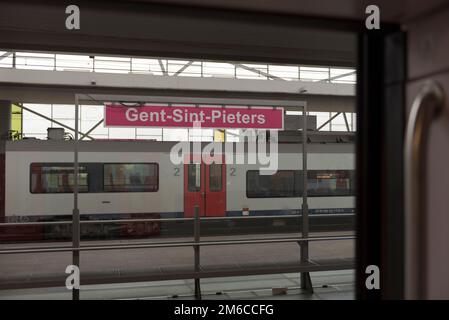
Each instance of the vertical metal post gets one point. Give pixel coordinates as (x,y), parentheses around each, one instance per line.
(306,282)
(196,248)
(76,213)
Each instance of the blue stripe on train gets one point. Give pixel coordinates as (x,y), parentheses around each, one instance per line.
(179,214)
(292,212)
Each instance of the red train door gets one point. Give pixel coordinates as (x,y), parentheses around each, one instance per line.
(215,189)
(205,186)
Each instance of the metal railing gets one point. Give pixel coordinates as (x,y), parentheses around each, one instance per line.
(174,67)
(196,243)
(104,221)
(171,244)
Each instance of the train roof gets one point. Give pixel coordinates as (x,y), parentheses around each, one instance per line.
(156,146)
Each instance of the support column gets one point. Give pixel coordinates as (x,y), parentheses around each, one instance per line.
(5,118)
(306,281)
(5,126)
(76,238)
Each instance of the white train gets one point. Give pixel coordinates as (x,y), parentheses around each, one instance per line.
(135,179)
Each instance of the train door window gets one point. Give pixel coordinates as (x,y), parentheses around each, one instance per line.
(56,178)
(194,177)
(130,177)
(215,177)
(282,184)
(327,183)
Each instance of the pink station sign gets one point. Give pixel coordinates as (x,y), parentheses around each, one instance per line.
(118,115)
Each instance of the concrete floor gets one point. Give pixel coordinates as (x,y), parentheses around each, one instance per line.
(27,267)
(329,285)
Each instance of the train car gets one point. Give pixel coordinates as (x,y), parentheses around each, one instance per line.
(129,180)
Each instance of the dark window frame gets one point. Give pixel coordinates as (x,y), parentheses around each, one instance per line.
(90,185)
(126,163)
(189,186)
(351,174)
(56,164)
(221,177)
(271,197)
(351,177)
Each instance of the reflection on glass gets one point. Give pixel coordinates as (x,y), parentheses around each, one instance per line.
(194,177)
(47,178)
(215,177)
(132,177)
(330,183)
(288,183)
(284,183)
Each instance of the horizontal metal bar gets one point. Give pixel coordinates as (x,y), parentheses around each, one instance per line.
(85,63)
(287,216)
(146,242)
(96,279)
(174,244)
(251,217)
(37,223)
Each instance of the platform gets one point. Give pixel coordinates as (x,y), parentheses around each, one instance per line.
(39,270)
(328,285)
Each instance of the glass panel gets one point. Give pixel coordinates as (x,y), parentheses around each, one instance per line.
(6,59)
(215,177)
(252,71)
(314,73)
(112,64)
(218,69)
(327,183)
(284,183)
(284,72)
(69,62)
(57,178)
(287,183)
(343,75)
(35,61)
(194,177)
(132,177)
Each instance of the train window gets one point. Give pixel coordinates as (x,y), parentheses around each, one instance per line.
(215,177)
(56,178)
(130,177)
(328,183)
(194,177)
(288,183)
(282,184)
